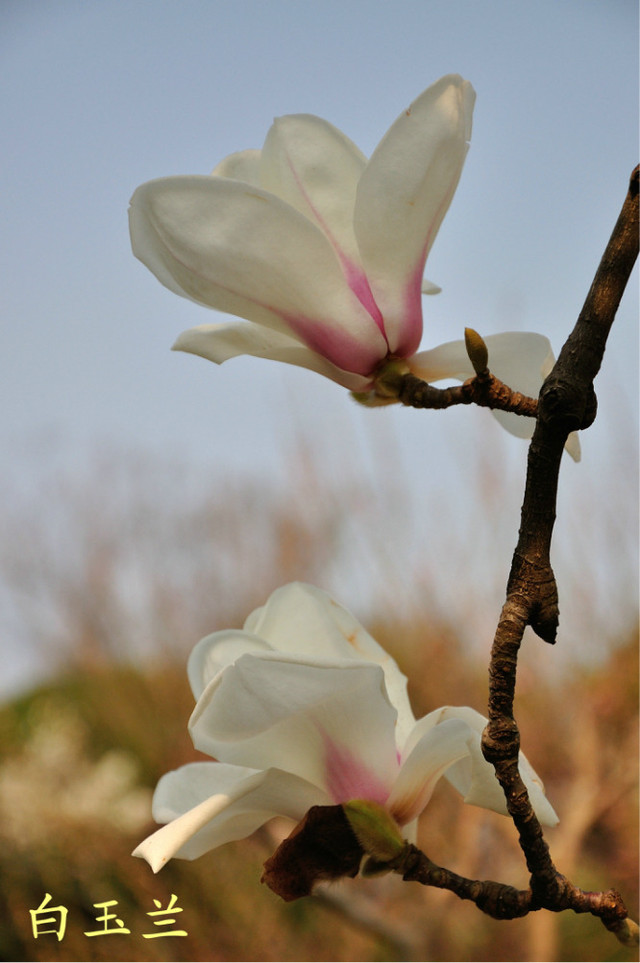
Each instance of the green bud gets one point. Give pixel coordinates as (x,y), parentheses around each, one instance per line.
(376,831)
(628,932)
(477,350)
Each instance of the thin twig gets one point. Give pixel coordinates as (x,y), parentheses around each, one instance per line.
(484,390)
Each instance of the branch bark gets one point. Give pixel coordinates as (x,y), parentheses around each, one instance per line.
(504,902)
(484,390)
(567,402)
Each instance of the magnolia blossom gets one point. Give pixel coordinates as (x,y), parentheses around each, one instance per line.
(303,708)
(323,252)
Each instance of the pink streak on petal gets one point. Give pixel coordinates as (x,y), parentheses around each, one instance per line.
(348,778)
(340,347)
(359,284)
(354,275)
(411,331)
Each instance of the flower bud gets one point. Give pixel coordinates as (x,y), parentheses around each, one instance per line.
(375,829)
(477,351)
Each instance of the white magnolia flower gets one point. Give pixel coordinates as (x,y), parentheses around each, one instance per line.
(323,252)
(303,708)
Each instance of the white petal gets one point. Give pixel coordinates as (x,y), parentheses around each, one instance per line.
(209,804)
(313,166)
(433,753)
(244,165)
(428,287)
(239,249)
(220,342)
(474,777)
(572,446)
(449,360)
(216,651)
(402,198)
(330,723)
(521,359)
(300,619)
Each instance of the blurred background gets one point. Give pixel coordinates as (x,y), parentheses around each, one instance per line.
(149,498)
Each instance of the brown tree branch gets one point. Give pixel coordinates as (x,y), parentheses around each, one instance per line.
(484,390)
(498,900)
(505,902)
(567,402)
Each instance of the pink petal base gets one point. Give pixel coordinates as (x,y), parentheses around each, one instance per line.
(349,352)
(347,777)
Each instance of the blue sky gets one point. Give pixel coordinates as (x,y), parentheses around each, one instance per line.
(97,97)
